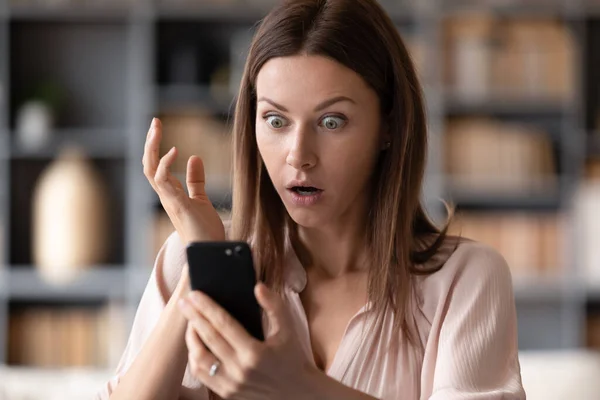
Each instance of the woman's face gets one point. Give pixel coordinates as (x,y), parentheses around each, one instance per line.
(318,130)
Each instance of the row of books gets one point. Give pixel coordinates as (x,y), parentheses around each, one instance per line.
(533,244)
(56,337)
(488,56)
(483,154)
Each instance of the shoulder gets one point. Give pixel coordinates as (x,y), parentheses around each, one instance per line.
(471,268)
(468,326)
(468,259)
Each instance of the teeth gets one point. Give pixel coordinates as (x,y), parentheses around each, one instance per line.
(305,191)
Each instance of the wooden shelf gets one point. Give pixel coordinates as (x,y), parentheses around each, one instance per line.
(534,9)
(37,12)
(540,289)
(96,283)
(463,197)
(207,11)
(498,105)
(506,202)
(97,143)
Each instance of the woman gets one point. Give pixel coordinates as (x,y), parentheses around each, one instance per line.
(364,297)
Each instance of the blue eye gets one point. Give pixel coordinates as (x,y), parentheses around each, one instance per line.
(275,121)
(333,122)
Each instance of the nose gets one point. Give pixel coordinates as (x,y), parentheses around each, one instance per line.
(301,154)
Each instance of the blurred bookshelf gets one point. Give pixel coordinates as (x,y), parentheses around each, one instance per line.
(513,95)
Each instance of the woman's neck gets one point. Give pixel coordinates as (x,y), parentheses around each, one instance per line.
(336,250)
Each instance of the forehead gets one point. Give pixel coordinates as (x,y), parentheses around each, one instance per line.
(308,77)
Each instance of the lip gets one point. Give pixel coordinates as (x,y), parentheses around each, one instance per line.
(301,183)
(309,200)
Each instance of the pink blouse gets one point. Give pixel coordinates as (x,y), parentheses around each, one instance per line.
(464,315)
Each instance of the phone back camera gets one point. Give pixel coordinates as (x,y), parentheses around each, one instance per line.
(228,252)
(238,250)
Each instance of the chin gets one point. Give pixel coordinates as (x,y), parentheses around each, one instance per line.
(306,218)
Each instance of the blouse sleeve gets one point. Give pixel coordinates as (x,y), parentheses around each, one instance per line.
(162,283)
(472,351)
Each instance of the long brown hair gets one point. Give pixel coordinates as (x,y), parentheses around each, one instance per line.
(361,36)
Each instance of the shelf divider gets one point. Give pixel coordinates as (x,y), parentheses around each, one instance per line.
(95,283)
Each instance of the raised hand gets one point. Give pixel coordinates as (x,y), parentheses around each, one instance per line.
(193,215)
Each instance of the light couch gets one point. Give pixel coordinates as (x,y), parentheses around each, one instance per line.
(569,375)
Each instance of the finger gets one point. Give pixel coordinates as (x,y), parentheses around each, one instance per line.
(231,330)
(153,144)
(273,305)
(197,352)
(201,360)
(148,135)
(149,167)
(220,383)
(199,357)
(150,132)
(163,178)
(195,178)
(210,336)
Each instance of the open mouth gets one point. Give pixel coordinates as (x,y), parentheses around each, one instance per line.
(305,190)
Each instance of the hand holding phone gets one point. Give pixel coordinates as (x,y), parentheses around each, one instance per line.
(225,272)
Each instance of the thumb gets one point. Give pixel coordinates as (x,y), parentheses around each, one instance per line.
(273,305)
(195,178)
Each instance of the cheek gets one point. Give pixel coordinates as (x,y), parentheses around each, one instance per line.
(353,165)
(269,147)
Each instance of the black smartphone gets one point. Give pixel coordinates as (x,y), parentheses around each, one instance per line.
(225,272)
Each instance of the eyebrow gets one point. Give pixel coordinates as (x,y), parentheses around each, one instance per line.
(322,106)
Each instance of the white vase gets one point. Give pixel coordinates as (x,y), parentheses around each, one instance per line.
(69,218)
(34,125)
